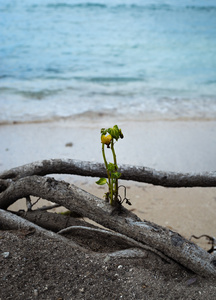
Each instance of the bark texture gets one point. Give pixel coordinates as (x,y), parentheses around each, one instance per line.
(129,172)
(28,181)
(51,221)
(9,220)
(170,243)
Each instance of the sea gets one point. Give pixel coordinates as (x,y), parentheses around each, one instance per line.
(141,59)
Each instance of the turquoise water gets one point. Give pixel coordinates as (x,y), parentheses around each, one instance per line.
(146,59)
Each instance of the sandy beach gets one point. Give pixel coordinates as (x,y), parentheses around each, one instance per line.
(68,69)
(180,146)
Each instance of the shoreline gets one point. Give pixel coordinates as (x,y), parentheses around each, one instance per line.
(112,115)
(178,146)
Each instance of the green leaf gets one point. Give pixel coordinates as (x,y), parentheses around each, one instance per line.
(101,181)
(116,175)
(115,127)
(104,131)
(111,167)
(114,132)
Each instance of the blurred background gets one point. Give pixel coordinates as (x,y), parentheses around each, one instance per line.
(142,59)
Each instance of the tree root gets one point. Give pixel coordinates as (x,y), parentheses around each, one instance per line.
(11,221)
(21,182)
(129,241)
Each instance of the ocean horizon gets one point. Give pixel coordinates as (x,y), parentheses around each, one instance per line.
(133,59)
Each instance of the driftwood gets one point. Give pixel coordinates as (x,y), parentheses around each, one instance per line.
(10,220)
(134,173)
(51,221)
(27,180)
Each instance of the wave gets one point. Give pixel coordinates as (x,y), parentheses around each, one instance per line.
(123,6)
(200,8)
(96,115)
(29,94)
(48,104)
(151,7)
(39,95)
(57,75)
(109,79)
(118,6)
(81,5)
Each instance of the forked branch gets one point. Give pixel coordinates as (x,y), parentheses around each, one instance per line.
(169,243)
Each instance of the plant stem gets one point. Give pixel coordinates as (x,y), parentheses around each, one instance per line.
(111,191)
(106,165)
(116,168)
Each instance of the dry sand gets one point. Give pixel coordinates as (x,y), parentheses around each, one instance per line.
(180,146)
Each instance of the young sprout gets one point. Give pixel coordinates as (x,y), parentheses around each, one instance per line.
(109,137)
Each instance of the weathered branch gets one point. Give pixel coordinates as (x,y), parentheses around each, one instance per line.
(4,184)
(129,172)
(9,220)
(131,242)
(51,221)
(75,199)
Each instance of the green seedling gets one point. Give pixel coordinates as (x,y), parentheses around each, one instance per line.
(109,137)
